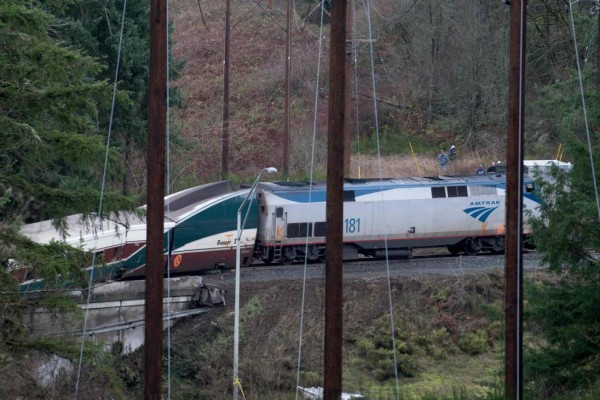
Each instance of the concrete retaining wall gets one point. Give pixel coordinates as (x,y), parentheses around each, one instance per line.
(115,313)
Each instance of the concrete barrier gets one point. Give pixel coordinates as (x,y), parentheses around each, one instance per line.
(114,314)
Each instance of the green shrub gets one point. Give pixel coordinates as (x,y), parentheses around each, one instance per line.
(254,307)
(474,342)
(407,365)
(311,378)
(494,311)
(130,376)
(377,357)
(391,141)
(364,346)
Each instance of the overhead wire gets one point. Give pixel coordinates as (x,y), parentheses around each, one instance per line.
(307,10)
(385,238)
(269,14)
(312,164)
(298,17)
(383,64)
(202,16)
(585,116)
(395,18)
(519,244)
(355,62)
(561,147)
(102,191)
(168,192)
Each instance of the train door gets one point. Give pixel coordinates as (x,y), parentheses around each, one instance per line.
(279,224)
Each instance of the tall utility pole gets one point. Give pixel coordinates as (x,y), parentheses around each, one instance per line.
(335,204)
(288,74)
(225,135)
(513,367)
(157,123)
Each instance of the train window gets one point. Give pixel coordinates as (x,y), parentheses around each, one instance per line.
(349,195)
(529,188)
(100,256)
(319,228)
(482,190)
(457,191)
(299,230)
(279,212)
(438,191)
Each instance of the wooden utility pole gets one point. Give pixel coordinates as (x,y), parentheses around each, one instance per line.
(335,204)
(288,74)
(157,123)
(225,135)
(513,367)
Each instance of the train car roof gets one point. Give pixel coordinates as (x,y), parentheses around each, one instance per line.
(75,226)
(177,206)
(548,163)
(191,196)
(353,183)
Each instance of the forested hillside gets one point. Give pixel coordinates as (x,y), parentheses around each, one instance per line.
(440,75)
(440,70)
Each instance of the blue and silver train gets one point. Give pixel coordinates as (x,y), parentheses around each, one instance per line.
(286,222)
(387,216)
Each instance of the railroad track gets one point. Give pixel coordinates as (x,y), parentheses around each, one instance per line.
(419,265)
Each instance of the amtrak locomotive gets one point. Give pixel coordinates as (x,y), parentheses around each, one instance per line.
(387,216)
(285,222)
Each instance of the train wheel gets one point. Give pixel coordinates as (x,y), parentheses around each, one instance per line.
(472,247)
(287,260)
(266,255)
(454,249)
(288,256)
(313,254)
(323,256)
(498,245)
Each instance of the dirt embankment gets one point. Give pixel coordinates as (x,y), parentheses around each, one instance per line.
(446,335)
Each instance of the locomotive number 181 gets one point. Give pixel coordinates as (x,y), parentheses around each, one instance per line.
(352,225)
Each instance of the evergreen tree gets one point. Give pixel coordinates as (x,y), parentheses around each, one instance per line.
(52,153)
(567,235)
(94,28)
(50,100)
(51,165)
(566,309)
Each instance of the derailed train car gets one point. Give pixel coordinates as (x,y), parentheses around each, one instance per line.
(199,232)
(387,216)
(286,222)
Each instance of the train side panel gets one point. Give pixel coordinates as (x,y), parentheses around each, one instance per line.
(208,238)
(204,237)
(461,213)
